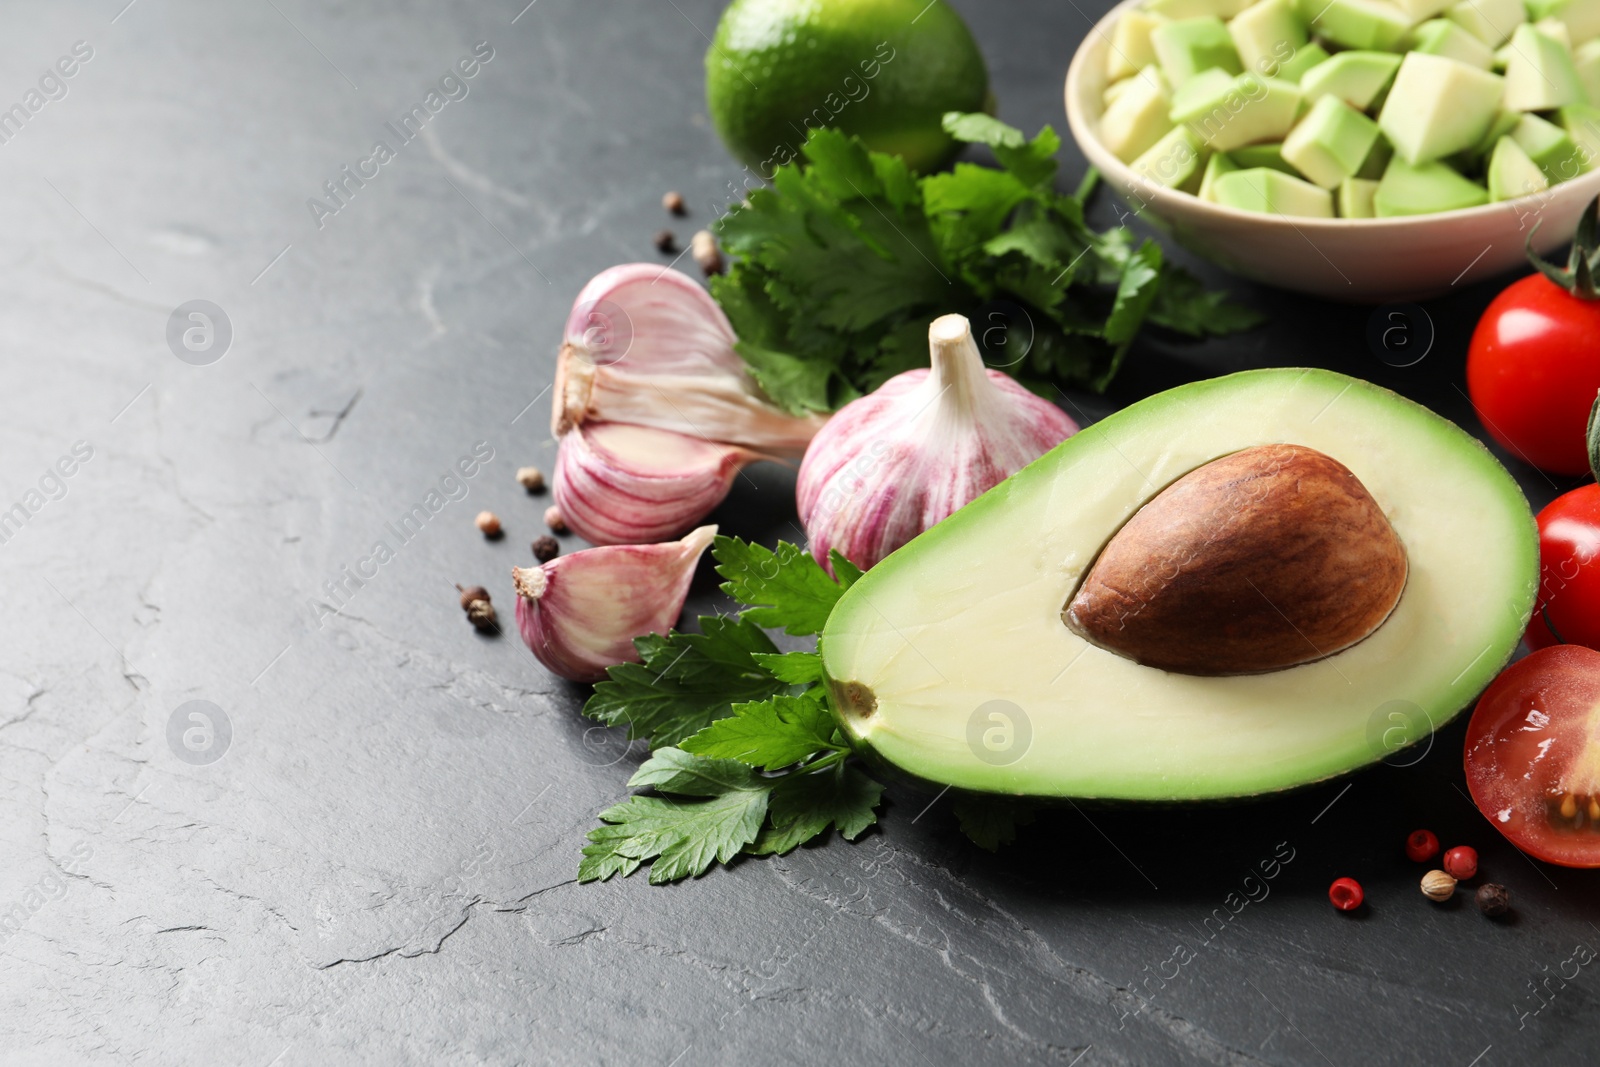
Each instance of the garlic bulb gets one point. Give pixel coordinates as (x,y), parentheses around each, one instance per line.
(927,442)
(650,347)
(618,484)
(579,613)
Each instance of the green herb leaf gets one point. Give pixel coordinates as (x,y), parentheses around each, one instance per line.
(687,681)
(846,259)
(674,770)
(991,821)
(684,838)
(805,805)
(1184,305)
(796,668)
(769,734)
(787,587)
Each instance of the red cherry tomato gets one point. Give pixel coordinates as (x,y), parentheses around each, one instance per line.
(1569,572)
(1533,755)
(1533,371)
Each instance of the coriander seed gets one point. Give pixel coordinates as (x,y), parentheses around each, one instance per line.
(489,523)
(531,479)
(674,204)
(1438,886)
(553,519)
(471,593)
(704,247)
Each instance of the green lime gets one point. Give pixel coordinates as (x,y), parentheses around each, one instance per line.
(884,70)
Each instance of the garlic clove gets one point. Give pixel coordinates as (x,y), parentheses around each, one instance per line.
(579,613)
(618,484)
(650,347)
(923,445)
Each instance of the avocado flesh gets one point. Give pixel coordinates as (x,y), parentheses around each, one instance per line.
(970,612)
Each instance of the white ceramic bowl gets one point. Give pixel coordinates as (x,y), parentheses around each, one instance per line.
(1354,260)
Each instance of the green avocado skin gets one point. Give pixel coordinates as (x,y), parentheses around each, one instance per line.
(776,70)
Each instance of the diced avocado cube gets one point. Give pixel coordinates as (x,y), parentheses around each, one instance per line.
(1554,29)
(1197,95)
(1272,192)
(1587,61)
(1582,17)
(1369,24)
(1424,188)
(1540,74)
(1249,110)
(1441,37)
(1171,161)
(1219,164)
(1294,68)
(1582,123)
(1437,107)
(1417,10)
(1268,33)
(1490,21)
(1330,143)
(1503,123)
(1354,77)
(1130,48)
(1512,173)
(1262,155)
(1550,147)
(1194,9)
(1187,46)
(1354,198)
(1377,160)
(1137,118)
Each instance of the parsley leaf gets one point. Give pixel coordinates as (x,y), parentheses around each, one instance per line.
(769,734)
(841,264)
(787,586)
(805,805)
(796,668)
(683,837)
(687,681)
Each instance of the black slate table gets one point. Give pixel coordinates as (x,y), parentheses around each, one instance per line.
(379,868)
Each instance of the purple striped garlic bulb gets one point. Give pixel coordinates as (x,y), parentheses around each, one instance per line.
(649,349)
(924,444)
(579,613)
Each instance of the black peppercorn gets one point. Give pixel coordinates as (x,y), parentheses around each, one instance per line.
(666,243)
(471,593)
(1493,900)
(546,548)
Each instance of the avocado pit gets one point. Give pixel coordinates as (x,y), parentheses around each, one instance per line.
(1261,560)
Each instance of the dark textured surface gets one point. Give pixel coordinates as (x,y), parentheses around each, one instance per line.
(380,869)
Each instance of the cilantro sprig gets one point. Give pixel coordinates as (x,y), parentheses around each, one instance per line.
(748,755)
(846,258)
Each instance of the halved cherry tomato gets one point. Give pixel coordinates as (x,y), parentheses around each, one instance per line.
(1533,755)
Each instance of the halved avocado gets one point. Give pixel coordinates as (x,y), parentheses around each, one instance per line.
(953,659)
